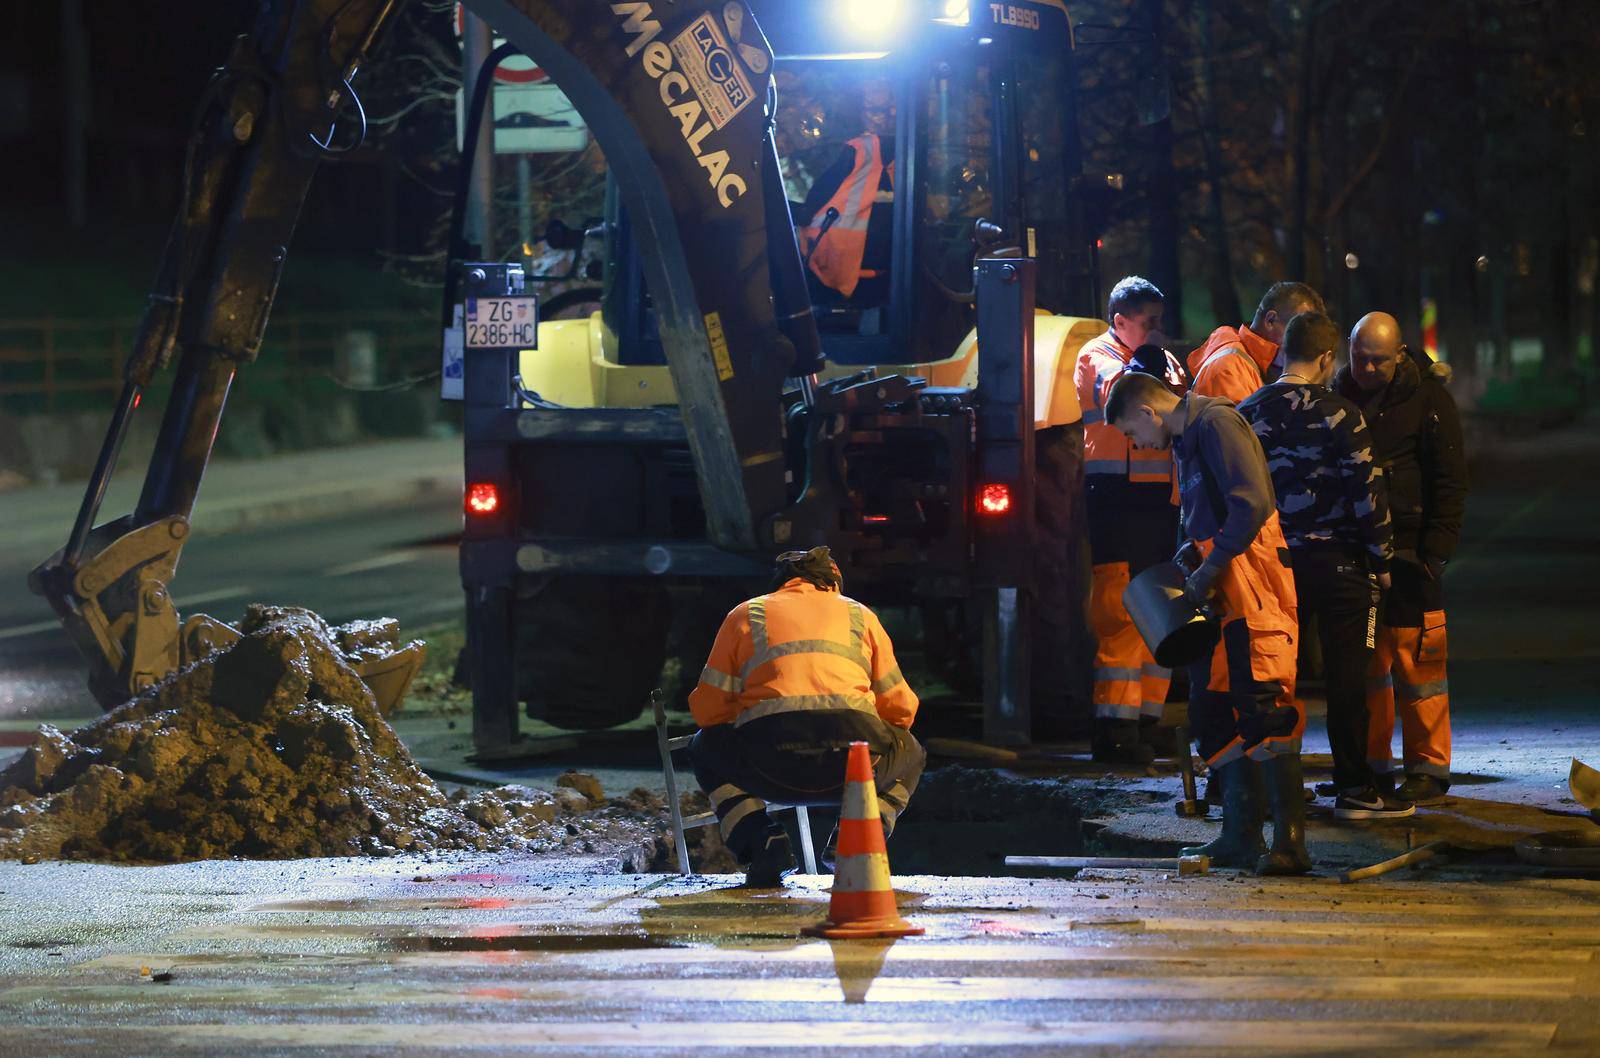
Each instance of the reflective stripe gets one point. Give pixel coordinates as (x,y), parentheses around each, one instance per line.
(1159,672)
(896,795)
(887,814)
(1153,709)
(1379,683)
(1224,351)
(758,626)
(1275,747)
(1438,771)
(726,792)
(793,703)
(888,682)
(1115,711)
(1094,416)
(762,651)
(807,646)
(1227,754)
(1105,466)
(1381,765)
(1424,690)
(721,680)
(856,190)
(726,823)
(1109,675)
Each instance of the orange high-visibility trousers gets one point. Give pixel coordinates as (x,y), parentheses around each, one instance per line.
(1408,676)
(1128,684)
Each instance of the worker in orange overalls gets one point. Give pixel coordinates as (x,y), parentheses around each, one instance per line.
(1128,497)
(847,220)
(1241,698)
(1416,438)
(1237,361)
(793,678)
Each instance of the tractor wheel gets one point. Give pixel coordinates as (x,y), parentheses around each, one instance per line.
(698,611)
(590,649)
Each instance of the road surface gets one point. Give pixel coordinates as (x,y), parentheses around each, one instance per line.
(522,956)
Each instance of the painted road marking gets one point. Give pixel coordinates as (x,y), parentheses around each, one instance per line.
(367,565)
(1298,1037)
(17,631)
(213,596)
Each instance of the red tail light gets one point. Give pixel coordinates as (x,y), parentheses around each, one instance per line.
(994,499)
(482,498)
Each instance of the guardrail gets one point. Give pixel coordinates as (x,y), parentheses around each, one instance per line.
(54,364)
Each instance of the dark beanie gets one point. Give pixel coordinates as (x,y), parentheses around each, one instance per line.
(815,567)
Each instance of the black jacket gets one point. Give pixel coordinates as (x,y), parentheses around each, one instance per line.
(1416,437)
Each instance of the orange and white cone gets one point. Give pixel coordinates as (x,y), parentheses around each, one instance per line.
(862,904)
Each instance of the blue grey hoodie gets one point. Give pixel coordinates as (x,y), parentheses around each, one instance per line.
(1225,487)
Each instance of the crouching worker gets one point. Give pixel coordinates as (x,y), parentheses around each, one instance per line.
(1241,700)
(794,677)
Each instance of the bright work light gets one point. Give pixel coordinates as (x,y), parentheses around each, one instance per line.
(873,18)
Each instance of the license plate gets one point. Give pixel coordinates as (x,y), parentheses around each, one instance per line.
(502,323)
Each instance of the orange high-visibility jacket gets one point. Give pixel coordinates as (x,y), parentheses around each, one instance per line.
(801,649)
(1232,364)
(836,255)
(1106,451)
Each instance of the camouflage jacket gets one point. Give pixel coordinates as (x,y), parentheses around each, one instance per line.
(1319,451)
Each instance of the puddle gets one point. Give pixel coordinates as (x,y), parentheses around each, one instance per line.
(552,942)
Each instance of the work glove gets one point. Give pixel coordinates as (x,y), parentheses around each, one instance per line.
(1188,557)
(1202,582)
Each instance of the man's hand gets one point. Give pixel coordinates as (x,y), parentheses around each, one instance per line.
(1188,557)
(1201,583)
(1434,567)
(1385,580)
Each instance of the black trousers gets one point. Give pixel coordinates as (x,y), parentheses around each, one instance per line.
(1333,585)
(798,758)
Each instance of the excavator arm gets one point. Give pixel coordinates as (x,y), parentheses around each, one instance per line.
(677,93)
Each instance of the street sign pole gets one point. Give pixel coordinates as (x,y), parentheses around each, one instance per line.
(476,44)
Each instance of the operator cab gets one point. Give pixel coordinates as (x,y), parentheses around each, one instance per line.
(902,165)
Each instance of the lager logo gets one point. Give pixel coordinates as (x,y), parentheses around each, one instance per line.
(703,53)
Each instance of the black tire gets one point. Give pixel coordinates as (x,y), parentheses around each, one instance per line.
(698,610)
(1063,642)
(590,649)
(952,648)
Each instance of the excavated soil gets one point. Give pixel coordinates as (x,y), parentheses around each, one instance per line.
(274,748)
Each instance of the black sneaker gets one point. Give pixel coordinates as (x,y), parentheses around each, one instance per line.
(1422,790)
(775,860)
(1370,804)
(1383,783)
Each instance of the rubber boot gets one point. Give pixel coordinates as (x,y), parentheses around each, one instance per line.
(1288,855)
(1239,844)
(1158,738)
(1117,742)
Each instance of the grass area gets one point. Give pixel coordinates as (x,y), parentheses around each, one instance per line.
(1530,394)
(434,690)
(110,271)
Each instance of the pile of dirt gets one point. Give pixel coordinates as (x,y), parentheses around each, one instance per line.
(273,748)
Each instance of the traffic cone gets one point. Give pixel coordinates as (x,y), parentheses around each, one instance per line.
(862,904)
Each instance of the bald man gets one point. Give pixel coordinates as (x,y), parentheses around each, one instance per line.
(1237,361)
(1416,438)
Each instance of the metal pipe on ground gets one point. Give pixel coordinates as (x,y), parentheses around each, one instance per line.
(1184,865)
